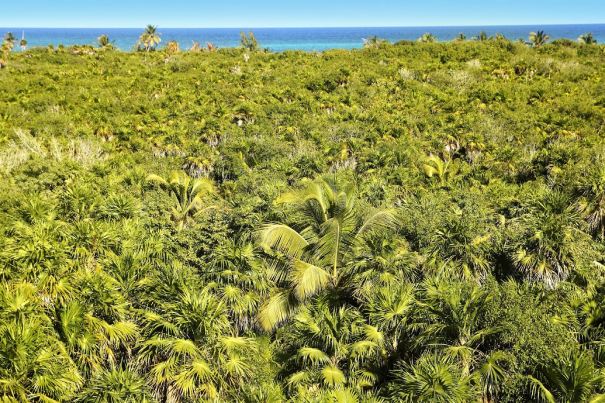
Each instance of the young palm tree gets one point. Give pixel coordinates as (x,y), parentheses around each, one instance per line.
(7,46)
(427,38)
(464,242)
(240,279)
(551,243)
(373,42)
(587,39)
(249,42)
(33,362)
(538,38)
(389,309)
(190,350)
(482,37)
(195,47)
(572,379)
(172,47)
(332,348)
(452,321)
(36,250)
(432,379)
(188,194)
(492,374)
(23,42)
(315,255)
(103,41)
(589,304)
(461,37)
(10,40)
(591,187)
(149,39)
(116,385)
(92,342)
(443,169)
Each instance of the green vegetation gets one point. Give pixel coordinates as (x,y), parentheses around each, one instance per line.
(405,222)
(587,39)
(249,41)
(482,36)
(427,38)
(23,42)
(104,42)
(374,42)
(538,38)
(149,39)
(8,44)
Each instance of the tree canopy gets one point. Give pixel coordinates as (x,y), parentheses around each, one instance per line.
(417,221)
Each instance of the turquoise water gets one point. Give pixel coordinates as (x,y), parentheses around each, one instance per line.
(279,39)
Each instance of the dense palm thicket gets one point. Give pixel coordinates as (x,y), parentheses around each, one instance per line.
(409,222)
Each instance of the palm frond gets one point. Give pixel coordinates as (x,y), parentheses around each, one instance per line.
(308,279)
(313,356)
(283,238)
(539,391)
(378,220)
(156,179)
(275,310)
(333,376)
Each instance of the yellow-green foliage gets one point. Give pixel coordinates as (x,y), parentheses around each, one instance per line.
(415,221)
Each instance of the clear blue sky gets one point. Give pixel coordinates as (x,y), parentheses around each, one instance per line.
(295,13)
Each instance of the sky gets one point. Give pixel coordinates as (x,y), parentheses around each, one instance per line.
(295,13)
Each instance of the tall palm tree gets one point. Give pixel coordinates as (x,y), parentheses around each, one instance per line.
(149,39)
(538,38)
(587,39)
(316,253)
(189,196)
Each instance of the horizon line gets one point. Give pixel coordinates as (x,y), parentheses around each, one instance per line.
(319,27)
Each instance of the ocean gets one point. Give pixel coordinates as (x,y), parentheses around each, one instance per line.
(280,39)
